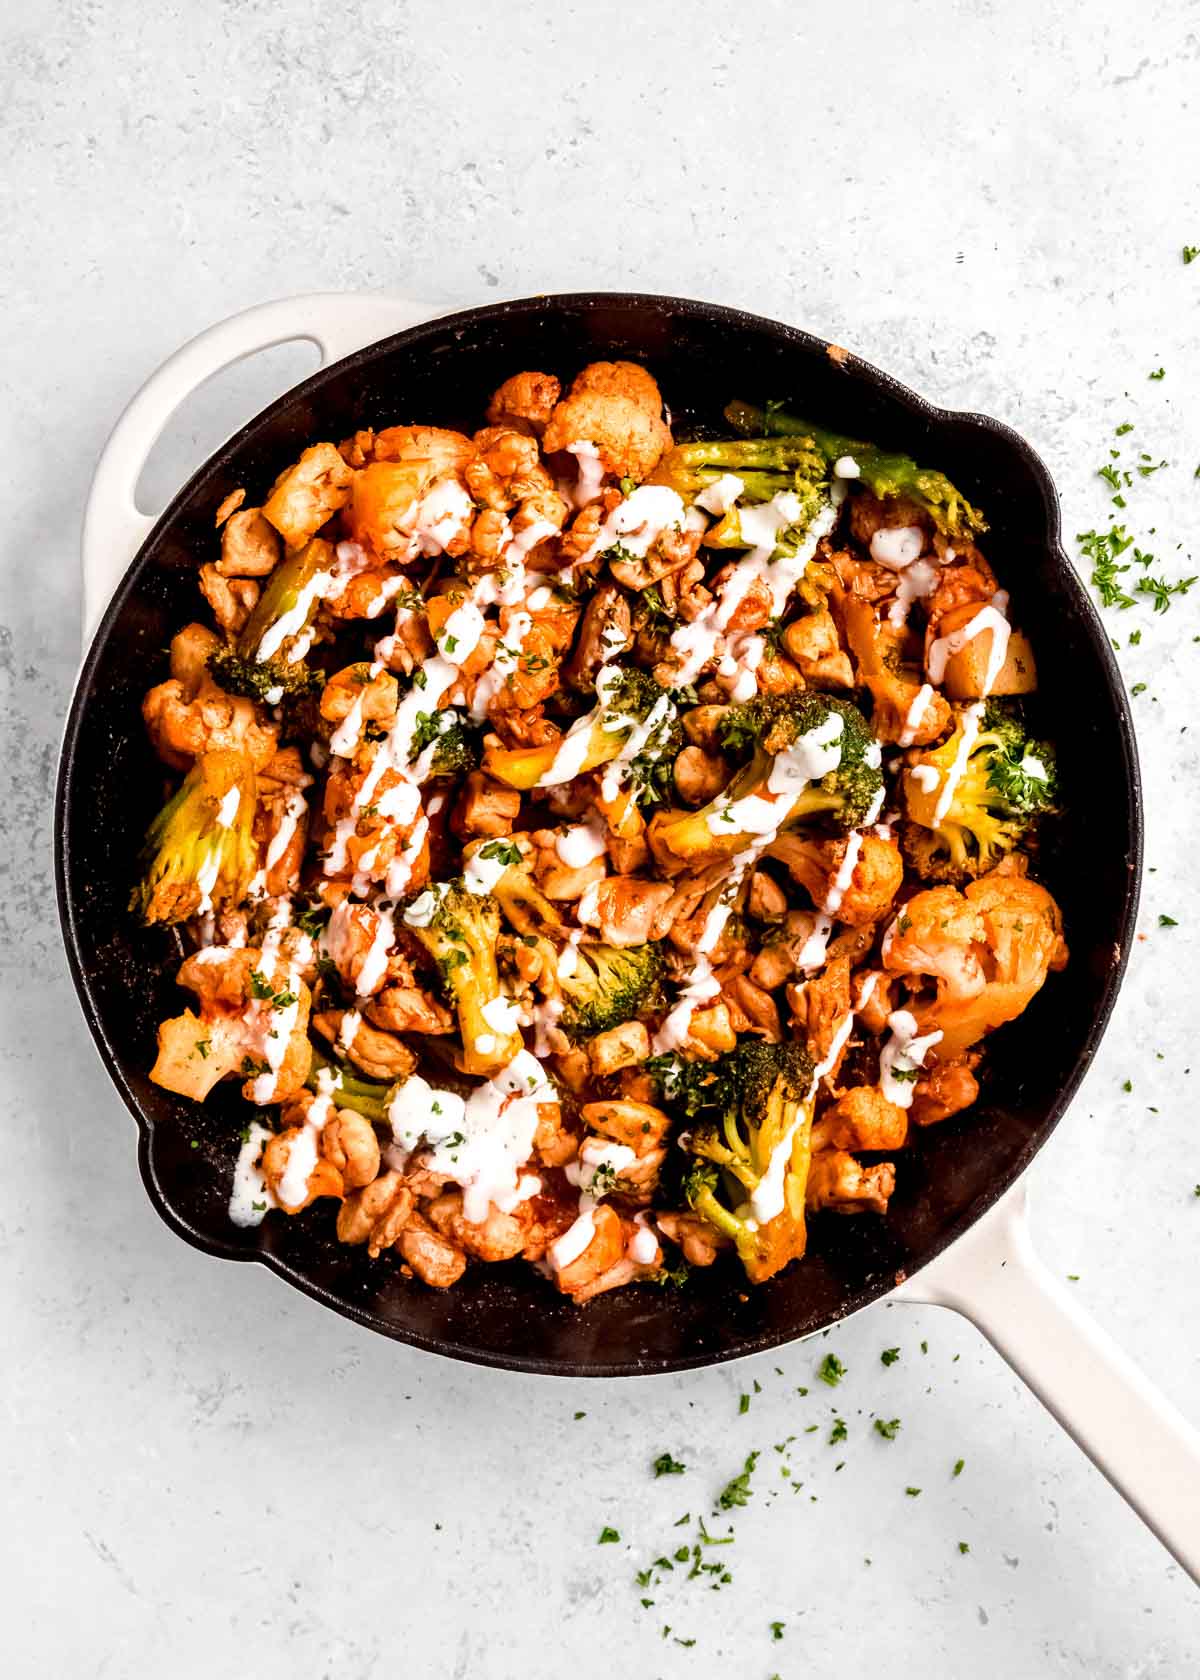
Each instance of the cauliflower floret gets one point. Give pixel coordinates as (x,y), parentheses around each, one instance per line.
(524,402)
(308,494)
(246,1002)
(188,715)
(938,933)
(618,407)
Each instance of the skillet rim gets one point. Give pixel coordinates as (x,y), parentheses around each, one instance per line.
(1078,604)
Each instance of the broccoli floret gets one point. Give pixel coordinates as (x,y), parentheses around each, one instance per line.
(765,465)
(459,929)
(751,1118)
(1009,780)
(269,682)
(257,665)
(626,697)
(200,849)
(608,986)
(780,731)
(454,741)
(882,473)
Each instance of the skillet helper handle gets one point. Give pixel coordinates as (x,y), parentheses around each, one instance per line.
(114,527)
(1131,1432)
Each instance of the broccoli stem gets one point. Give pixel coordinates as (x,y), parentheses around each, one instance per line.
(883,473)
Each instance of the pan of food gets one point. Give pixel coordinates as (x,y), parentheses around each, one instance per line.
(579,844)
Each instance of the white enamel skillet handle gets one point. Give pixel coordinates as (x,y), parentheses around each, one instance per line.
(1131,1432)
(991,1274)
(114,528)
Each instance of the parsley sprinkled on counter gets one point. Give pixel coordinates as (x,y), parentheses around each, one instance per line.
(963,1547)
(912,1492)
(665,1465)
(1167,921)
(958,1466)
(608,1537)
(839,1432)
(776,1630)
(831,1370)
(738,1491)
(889,1356)
(888,1430)
(1190,253)
(1159,373)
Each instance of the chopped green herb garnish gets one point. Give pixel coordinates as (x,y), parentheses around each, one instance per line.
(889,1429)
(912,1492)
(831,1370)
(738,1491)
(889,1356)
(958,1466)
(608,1537)
(665,1465)
(1167,921)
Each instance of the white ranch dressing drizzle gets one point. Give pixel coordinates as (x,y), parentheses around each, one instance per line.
(374,964)
(635,523)
(249,1198)
(990,617)
(591,473)
(480,873)
(767,1198)
(272,1025)
(915,583)
(708,637)
(926,776)
(581,844)
(916,712)
(897,547)
(481,1143)
(903,1055)
(719,496)
(595,1155)
(304,1148)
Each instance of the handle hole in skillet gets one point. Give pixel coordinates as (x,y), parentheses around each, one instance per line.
(214,411)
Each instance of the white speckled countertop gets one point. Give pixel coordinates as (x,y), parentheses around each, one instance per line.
(205,1474)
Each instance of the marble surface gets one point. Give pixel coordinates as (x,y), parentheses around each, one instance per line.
(205,1474)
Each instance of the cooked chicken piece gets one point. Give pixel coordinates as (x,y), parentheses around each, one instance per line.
(813,643)
(484,808)
(766,901)
(699,1241)
(372,699)
(816,864)
(232,599)
(700,776)
(376,1214)
(500,1236)
(250,546)
(838,1182)
(604,633)
(620,1047)
(820,1006)
(400,1009)
(605,1249)
(639,1126)
(861,1118)
(433,1257)
(945,1089)
(869,514)
(626,911)
(380,1055)
(751,1010)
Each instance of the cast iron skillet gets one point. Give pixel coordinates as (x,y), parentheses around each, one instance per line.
(443,372)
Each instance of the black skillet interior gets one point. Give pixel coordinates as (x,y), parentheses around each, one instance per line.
(702,355)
